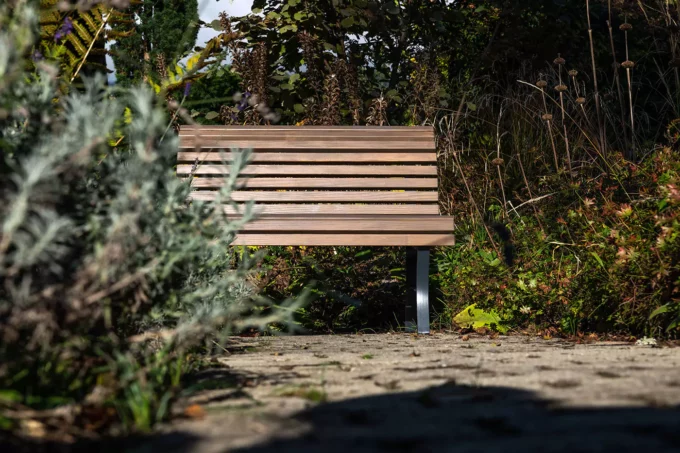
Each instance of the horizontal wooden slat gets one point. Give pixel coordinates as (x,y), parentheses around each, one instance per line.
(310,129)
(307,134)
(346,224)
(311,157)
(315,170)
(320,183)
(421,240)
(291,142)
(324,197)
(334,209)
(313,144)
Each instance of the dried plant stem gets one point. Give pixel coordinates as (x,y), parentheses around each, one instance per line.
(617,80)
(595,85)
(630,92)
(474,203)
(550,133)
(564,125)
(526,183)
(498,166)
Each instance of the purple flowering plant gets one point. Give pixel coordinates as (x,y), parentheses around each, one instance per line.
(65,30)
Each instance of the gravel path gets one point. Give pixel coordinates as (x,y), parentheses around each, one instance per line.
(402,393)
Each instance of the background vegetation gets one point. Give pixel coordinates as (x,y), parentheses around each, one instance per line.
(557,134)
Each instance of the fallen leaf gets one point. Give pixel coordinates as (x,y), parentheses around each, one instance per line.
(194,411)
(465,337)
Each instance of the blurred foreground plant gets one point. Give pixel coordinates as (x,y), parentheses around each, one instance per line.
(108,276)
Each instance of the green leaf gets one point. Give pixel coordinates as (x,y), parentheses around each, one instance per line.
(286,86)
(211,115)
(10,396)
(299,15)
(599,260)
(363,253)
(256,10)
(472,106)
(347,21)
(215,25)
(299,108)
(659,311)
(474,317)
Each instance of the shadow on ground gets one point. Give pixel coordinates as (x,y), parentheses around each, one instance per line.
(466,419)
(439,419)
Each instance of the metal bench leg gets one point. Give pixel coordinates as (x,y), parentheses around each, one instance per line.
(417,297)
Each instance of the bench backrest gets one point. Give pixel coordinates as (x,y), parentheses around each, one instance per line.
(321,171)
(324,170)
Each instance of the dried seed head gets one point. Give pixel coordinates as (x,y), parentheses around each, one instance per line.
(547,117)
(498,161)
(628,64)
(541,84)
(561,88)
(580,100)
(559,60)
(573,73)
(625,27)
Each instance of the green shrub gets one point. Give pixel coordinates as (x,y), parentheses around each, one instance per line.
(604,257)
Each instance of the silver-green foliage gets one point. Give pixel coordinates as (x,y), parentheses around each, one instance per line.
(99,249)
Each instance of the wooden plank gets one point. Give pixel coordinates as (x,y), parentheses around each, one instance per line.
(310,157)
(325,197)
(374,140)
(320,183)
(315,170)
(417,134)
(349,224)
(243,128)
(311,144)
(367,239)
(336,209)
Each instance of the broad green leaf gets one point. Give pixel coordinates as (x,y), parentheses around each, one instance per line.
(256,10)
(211,115)
(474,317)
(347,21)
(659,311)
(299,108)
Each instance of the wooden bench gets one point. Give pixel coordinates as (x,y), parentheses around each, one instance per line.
(331,186)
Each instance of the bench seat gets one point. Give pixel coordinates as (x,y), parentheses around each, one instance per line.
(328,186)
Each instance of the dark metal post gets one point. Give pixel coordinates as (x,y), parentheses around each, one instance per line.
(417,297)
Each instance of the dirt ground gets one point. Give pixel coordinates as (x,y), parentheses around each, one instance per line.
(403,393)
